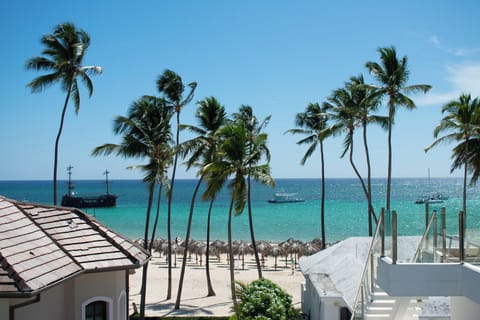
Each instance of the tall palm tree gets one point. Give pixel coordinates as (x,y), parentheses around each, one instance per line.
(313,124)
(171,86)
(392,74)
(352,107)
(461,123)
(211,116)
(62,57)
(146,133)
(233,162)
(246,117)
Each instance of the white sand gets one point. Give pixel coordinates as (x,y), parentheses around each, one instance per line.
(194,293)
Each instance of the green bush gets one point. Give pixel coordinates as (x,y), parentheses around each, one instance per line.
(264,300)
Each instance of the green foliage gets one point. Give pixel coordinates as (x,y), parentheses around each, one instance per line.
(264,300)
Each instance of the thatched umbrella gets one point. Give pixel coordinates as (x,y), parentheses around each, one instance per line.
(241,247)
(199,248)
(276,251)
(219,247)
(264,248)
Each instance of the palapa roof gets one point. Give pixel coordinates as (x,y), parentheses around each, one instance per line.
(42,245)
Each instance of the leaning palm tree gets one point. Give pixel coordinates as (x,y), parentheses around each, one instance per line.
(212,116)
(313,123)
(63,56)
(171,86)
(392,74)
(246,117)
(233,165)
(351,107)
(462,124)
(146,133)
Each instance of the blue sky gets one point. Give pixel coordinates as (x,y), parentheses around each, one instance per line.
(276,56)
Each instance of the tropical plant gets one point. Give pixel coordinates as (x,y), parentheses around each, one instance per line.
(146,133)
(313,124)
(461,123)
(256,139)
(63,56)
(233,163)
(263,299)
(171,86)
(392,74)
(351,107)
(211,116)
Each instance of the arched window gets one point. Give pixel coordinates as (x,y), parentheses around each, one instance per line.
(97,308)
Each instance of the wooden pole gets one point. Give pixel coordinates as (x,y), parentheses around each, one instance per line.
(394,237)
(461,244)
(443,215)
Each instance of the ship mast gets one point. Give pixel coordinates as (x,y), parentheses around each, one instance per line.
(106,178)
(70,183)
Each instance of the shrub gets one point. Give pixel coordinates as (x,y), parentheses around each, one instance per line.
(264,300)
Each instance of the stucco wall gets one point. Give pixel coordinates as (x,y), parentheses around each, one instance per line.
(65,300)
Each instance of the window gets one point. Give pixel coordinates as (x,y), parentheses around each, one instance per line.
(96,310)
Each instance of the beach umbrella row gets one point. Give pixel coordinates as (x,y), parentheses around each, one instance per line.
(289,248)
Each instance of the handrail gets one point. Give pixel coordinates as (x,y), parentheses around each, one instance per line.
(359,297)
(424,237)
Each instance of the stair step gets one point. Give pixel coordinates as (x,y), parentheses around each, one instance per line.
(377,316)
(379,310)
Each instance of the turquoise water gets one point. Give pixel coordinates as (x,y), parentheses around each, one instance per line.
(345,208)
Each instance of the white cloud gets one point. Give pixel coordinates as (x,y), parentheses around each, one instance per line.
(459,52)
(464,78)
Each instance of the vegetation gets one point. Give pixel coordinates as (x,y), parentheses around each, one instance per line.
(63,55)
(313,124)
(461,124)
(392,75)
(145,134)
(263,299)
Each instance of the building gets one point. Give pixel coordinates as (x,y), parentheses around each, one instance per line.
(59,263)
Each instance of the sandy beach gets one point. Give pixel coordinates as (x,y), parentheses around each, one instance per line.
(194,293)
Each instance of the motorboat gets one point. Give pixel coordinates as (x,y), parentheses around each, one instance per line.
(435,197)
(285,197)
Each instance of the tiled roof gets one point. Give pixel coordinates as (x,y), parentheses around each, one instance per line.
(41,245)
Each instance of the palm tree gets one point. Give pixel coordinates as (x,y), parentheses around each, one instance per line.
(235,161)
(250,122)
(461,123)
(146,133)
(171,86)
(313,123)
(63,55)
(392,74)
(352,107)
(212,116)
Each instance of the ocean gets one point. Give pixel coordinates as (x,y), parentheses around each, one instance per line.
(345,207)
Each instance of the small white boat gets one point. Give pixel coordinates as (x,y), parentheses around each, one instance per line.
(284,197)
(435,197)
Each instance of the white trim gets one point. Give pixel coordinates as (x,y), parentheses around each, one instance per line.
(122,313)
(108,300)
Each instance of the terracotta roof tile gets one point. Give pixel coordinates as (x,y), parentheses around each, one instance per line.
(41,245)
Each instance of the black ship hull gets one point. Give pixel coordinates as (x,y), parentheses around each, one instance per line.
(102,201)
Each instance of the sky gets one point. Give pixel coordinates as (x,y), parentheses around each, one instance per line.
(276,56)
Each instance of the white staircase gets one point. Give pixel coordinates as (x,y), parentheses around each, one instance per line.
(385,307)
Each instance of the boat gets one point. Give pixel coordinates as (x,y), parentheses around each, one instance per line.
(435,197)
(285,197)
(71,199)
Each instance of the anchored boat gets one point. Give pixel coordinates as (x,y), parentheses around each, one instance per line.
(94,201)
(284,197)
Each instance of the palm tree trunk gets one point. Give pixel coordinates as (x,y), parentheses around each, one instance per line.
(143,290)
(57,142)
(252,234)
(371,211)
(187,239)
(357,173)
(232,258)
(211,292)
(465,173)
(389,172)
(157,215)
(322,205)
(169,218)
